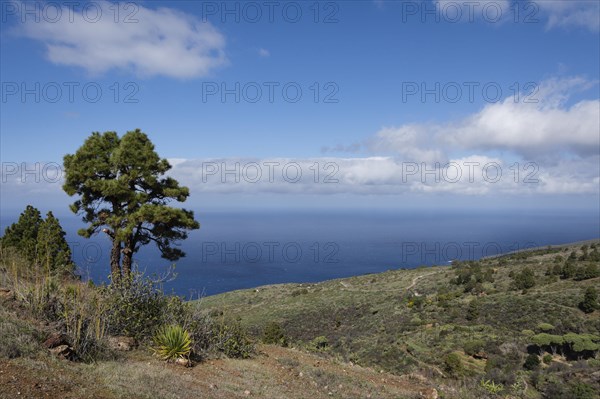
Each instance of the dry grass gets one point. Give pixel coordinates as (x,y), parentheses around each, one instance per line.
(274,373)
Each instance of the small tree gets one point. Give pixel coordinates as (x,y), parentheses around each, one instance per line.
(41,242)
(453,364)
(525,279)
(122,192)
(590,300)
(23,234)
(53,250)
(472,311)
(532,362)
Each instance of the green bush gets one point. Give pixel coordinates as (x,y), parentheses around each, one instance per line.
(525,279)
(545,327)
(172,342)
(532,362)
(318,344)
(232,340)
(473,347)
(590,301)
(139,307)
(547,359)
(274,334)
(453,364)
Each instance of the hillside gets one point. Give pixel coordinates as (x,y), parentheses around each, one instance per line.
(461,331)
(421,321)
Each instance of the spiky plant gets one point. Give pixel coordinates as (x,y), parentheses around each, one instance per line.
(172,343)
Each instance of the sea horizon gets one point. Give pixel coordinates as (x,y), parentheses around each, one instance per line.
(245,249)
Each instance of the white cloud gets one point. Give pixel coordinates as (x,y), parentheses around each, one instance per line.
(470,175)
(571,13)
(541,125)
(159,41)
(264,52)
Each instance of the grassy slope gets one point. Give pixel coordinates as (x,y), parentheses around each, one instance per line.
(368,319)
(380,346)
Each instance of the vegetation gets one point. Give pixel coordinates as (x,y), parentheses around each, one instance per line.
(461,329)
(122,192)
(461,323)
(40,241)
(172,343)
(590,300)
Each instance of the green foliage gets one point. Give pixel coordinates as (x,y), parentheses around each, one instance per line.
(532,362)
(590,300)
(122,192)
(41,242)
(473,347)
(53,250)
(472,275)
(172,342)
(453,364)
(23,234)
(274,334)
(491,387)
(568,270)
(232,339)
(581,390)
(545,327)
(547,359)
(319,344)
(587,272)
(545,339)
(525,279)
(139,308)
(472,311)
(582,342)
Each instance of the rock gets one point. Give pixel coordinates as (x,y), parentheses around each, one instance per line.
(480,355)
(213,386)
(182,361)
(63,351)
(55,340)
(246,392)
(121,343)
(429,393)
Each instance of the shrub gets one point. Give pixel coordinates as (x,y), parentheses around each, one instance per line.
(491,387)
(17,339)
(232,340)
(545,327)
(580,390)
(532,362)
(473,347)
(320,343)
(274,334)
(453,364)
(590,300)
(83,314)
(525,279)
(472,311)
(547,359)
(172,342)
(139,307)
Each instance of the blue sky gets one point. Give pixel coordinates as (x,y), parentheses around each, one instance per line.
(369,61)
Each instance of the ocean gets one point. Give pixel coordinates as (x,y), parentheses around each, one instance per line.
(240,250)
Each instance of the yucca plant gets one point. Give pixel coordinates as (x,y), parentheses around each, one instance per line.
(172,342)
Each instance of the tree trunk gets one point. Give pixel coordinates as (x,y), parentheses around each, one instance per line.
(127,260)
(115,261)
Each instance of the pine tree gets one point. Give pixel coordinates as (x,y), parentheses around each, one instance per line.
(122,191)
(53,250)
(22,235)
(590,300)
